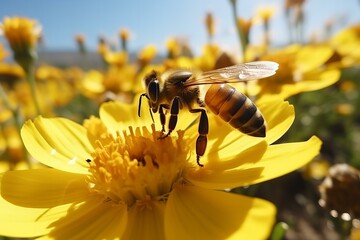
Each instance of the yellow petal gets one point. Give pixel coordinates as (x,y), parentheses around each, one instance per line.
(146,222)
(225,142)
(231,178)
(118,116)
(319,79)
(311,81)
(281,159)
(279,116)
(93,219)
(58,143)
(278,160)
(311,57)
(16,221)
(42,188)
(235,156)
(196,213)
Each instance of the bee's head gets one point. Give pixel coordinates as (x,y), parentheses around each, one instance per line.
(152,89)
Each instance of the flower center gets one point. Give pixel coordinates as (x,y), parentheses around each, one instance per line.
(137,166)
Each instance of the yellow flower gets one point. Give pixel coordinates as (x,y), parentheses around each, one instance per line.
(102,47)
(206,61)
(120,79)
(302,68)
(146,55)
(116,58)
(124,38)
(245,25)
(112,178)
(347,43)
(173,47)
(22,34)
(3,53)
(9,73)
(266,13)
(53,82)
(92,84)
(80,41)
(344,109)
(210,25)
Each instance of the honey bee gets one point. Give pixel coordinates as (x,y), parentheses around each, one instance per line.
(179,89)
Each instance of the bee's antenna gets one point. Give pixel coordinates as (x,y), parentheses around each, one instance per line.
(139,108)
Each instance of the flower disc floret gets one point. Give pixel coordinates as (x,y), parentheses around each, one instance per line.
(136,166)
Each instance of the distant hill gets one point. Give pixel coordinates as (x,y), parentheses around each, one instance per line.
(65,59)
(71,58)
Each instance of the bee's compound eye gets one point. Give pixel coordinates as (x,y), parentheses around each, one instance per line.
(153,91)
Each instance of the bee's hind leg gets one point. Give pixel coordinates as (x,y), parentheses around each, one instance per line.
(203,130)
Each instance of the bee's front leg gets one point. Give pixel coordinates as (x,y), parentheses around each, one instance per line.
(201,141)
(162,115)
(174,111)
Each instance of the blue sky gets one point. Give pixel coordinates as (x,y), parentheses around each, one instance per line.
(156,20)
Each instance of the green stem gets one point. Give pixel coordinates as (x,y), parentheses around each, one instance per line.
(30,76)
(18,120)
(242,38)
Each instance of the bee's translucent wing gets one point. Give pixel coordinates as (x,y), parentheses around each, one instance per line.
(236,73)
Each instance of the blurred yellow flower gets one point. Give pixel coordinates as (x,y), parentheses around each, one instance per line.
(317,170)
(80,41)
(206,61)
(302,68)
(116,58)
(12,145)
(210,25)
(120,79)
(124,34)
(22,34)
(3,53)
(347,44)
(245,25)
(347,86)
(9,73)
(146,55)
(91,85)
(102,47)
(114,179)
(173,48)
(265,13)
(344,109)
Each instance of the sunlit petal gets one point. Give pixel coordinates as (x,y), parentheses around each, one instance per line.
(278,160)
(312,56)
(281,159)
(93,219)
(33,221)
(119,116)
(42,188)
(195,213)
(58,143)
(146,222)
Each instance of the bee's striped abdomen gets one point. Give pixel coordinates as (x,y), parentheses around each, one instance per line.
(237,109)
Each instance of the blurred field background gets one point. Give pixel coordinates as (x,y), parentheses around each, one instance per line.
(88,57)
